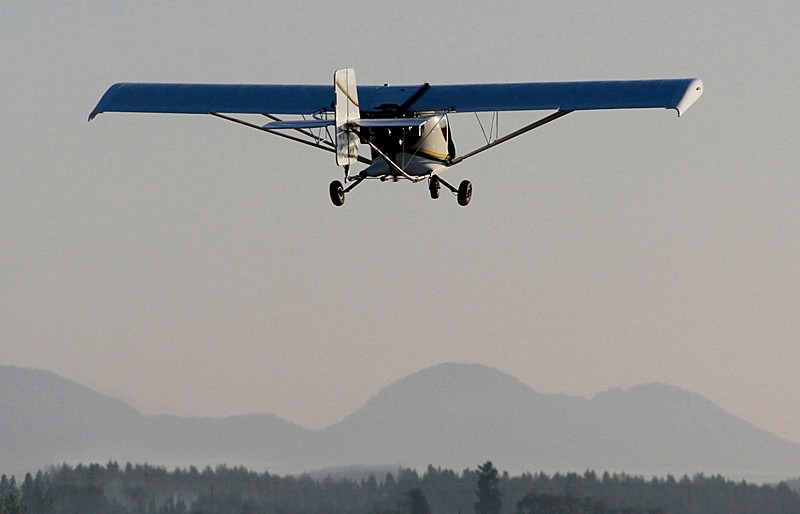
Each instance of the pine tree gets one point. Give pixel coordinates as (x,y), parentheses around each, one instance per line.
(416,503)
(490,500)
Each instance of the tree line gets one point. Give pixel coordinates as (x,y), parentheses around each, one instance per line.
(145,489)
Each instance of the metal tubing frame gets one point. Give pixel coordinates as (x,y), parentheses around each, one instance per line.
(358,180)
(536,124)
(393,165)
(446,184)
(318,143)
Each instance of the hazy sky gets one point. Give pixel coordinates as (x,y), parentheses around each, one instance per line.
(196,267)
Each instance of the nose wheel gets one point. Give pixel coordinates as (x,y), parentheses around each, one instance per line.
(434,186)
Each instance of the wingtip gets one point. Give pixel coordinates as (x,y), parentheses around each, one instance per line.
(693,92)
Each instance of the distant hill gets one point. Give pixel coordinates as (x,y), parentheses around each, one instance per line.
(450,415)
(46,419)
(457,414)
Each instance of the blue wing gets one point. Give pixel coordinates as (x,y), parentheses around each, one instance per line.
(678,94)
(384,101)
(208,98)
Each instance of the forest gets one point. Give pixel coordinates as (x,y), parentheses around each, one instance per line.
(145,489)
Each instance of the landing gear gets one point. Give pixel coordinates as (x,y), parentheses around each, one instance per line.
(337,193)
(434,186)
(464,193)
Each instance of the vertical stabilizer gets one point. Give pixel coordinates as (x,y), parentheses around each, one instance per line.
(347,111)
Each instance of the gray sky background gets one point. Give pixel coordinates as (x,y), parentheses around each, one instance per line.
(195,267)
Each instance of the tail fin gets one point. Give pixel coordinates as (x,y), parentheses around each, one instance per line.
(347,111)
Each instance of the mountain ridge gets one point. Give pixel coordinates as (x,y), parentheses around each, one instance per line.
(453,415)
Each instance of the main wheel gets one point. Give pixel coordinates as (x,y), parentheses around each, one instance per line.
(337,193)
(464,193)
(434,186)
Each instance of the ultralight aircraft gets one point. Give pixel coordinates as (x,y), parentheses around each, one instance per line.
(405,127)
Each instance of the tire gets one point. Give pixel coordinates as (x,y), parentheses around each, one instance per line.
(464,193)
(337,193)
(434,186)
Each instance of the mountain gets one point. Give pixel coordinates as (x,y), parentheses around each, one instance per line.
(46,419)
(458,415)
(450,415)
(454,415)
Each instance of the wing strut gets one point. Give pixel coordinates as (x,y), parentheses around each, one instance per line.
(287,136)
(536,124)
